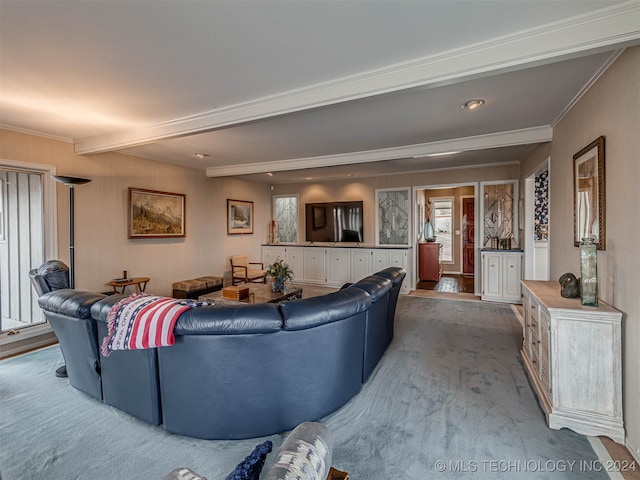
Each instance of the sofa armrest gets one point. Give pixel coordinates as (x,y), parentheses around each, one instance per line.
(69,302)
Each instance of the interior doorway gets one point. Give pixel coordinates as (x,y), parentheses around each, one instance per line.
(449,212)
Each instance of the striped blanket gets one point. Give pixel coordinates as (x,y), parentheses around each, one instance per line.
(143,321)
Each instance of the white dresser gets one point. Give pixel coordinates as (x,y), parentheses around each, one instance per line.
(573,357)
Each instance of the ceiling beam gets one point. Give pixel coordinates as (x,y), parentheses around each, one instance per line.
(479,142)
(581,35)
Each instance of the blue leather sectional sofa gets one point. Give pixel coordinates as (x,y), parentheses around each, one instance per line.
(234,371)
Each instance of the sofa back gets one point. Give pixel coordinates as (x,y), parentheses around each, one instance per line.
(230,320)
(254,370)
(316,311)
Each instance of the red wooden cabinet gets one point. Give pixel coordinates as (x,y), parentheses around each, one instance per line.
(430,261)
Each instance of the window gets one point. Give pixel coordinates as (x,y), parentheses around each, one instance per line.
(498,205)
(392,216)
(443,225)
(285,212)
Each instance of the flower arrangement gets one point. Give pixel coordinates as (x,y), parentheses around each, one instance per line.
(279,272)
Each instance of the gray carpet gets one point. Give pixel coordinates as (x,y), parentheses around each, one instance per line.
(448,400)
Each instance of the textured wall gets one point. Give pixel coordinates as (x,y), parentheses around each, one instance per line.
(610,108)
(102,249)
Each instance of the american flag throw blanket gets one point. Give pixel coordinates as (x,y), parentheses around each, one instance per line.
(143,321)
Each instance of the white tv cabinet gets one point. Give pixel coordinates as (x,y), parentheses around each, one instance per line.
(572,355)
(335,265)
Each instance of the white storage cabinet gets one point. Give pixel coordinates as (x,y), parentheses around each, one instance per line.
(501,276)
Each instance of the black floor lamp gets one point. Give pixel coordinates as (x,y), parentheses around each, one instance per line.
(70,182)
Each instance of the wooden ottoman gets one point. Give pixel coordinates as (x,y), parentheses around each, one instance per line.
(195,287)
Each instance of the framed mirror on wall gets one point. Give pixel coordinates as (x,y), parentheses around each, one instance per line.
(589,194)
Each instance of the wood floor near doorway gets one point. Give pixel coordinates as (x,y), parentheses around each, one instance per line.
(449,284)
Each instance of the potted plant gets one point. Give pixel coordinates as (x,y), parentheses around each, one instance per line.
(279,272)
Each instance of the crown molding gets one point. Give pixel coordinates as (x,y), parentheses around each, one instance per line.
(594,78)
(568,38)
(478,142)
(35,133)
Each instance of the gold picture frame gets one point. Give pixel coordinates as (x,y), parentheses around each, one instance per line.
(154,214)
(239,217)
(589,194)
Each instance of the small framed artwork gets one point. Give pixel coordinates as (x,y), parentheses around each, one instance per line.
(154,214)
(239,217)
(589,194)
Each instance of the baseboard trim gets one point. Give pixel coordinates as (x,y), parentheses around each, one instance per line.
(14,350)
(635,453)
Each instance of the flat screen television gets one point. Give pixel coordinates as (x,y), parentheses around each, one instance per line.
(334,222)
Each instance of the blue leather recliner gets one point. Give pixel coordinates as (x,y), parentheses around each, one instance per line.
(67,311)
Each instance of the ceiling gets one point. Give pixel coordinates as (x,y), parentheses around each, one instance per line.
(308,89)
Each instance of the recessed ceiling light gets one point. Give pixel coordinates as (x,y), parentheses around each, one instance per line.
(436,154)
(308,178)
(270,174)
(442,154)
(473,104)
(200,155)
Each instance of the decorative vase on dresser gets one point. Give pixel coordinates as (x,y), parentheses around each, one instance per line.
(572,354)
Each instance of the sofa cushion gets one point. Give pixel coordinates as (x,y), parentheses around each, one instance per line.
(100,309)
(314,311)
(230,320)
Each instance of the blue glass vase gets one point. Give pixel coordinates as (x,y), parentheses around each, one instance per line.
(429,232)
(589,272)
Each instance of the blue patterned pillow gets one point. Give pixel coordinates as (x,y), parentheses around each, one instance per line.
(251,466)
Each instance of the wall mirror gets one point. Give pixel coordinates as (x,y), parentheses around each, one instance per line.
(589,199)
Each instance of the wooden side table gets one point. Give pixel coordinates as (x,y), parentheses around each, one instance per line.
(139,282)
(430,261)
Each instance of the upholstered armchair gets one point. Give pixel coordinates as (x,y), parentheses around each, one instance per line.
(242,270)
